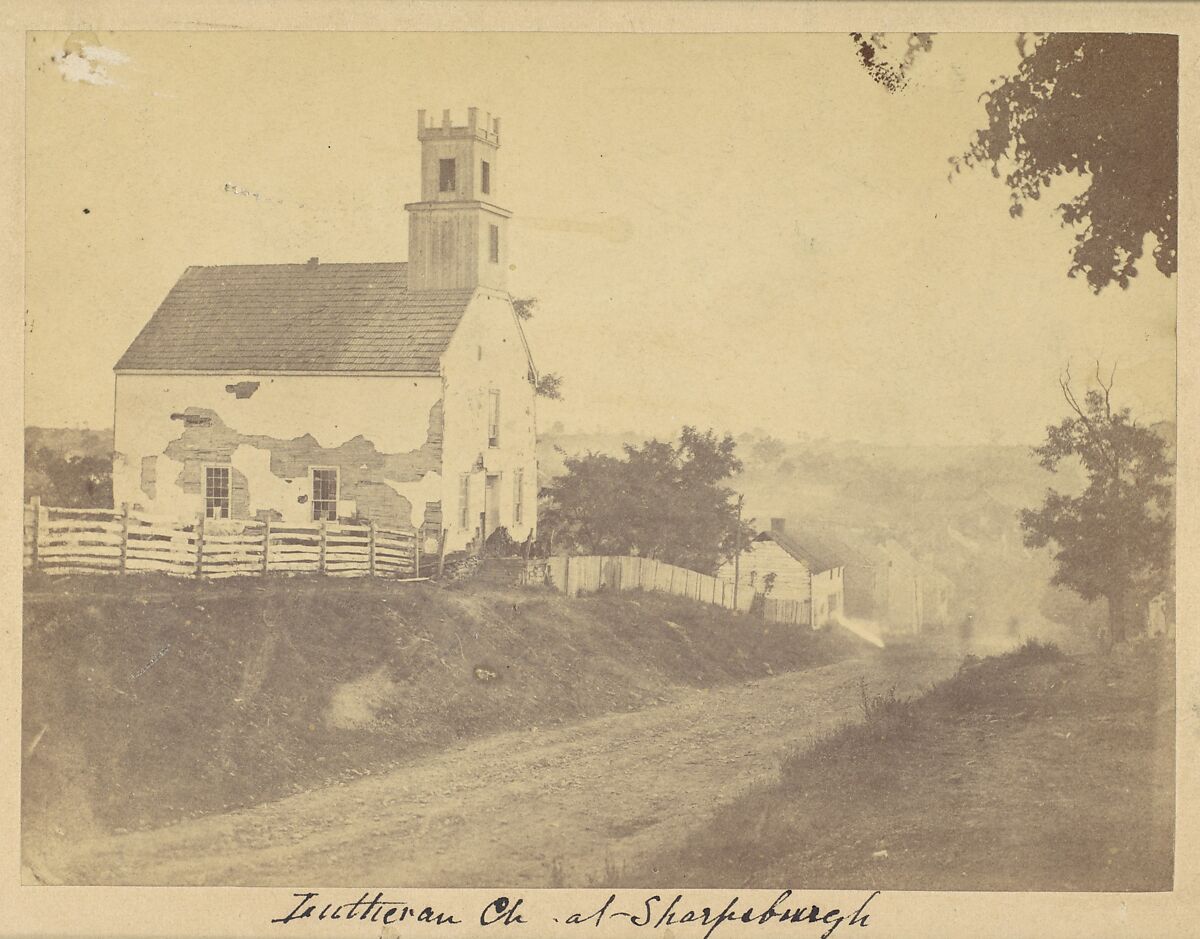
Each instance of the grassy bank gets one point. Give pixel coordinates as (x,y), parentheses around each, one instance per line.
(1028,771)
(148,700)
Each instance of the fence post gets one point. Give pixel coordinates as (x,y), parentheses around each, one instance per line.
(266,544)
(417,552)
(371,547)
(199,544)
(124,535)
(321,563)
(36,502)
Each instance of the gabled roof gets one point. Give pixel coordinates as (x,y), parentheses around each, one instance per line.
(249,318)
(818,560)
(851,548)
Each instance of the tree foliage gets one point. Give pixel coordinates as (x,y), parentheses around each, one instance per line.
(1115,540)
(1103,106)
(768,450)
(664,500)
(549,384)
(71,481)
(524,307)
(874,50)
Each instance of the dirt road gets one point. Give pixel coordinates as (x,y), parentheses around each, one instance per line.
(524,809)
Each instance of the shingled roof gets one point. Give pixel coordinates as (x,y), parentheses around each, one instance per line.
(249,318)
(818,557)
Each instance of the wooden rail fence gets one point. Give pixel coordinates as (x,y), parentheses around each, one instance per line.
(588,574)
(66,541)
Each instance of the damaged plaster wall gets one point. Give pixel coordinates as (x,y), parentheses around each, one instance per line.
(384,434)
(488,353)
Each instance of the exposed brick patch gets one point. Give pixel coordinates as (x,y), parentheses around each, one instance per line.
(149,479)
(207,439)
(433,517)
(243,389)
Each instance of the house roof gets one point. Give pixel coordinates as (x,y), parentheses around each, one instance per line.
(844,545)
(814,555)
(314,317)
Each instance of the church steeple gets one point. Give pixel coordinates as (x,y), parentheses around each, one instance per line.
(457,235)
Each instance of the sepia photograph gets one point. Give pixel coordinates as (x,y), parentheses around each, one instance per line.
(598,460)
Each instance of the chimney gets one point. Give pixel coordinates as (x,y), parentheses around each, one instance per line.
(312,263)
(778,525)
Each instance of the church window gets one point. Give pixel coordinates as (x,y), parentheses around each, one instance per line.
(485,178)
(324,494)
(494,244)
(216,492)
(494,418)
(447,181)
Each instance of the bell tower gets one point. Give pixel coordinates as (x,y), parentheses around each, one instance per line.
(457,235)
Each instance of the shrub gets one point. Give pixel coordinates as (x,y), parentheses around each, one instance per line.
(876,708)
(1034,650)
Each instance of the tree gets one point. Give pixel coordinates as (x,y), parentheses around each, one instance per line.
(1099,105)
(892,75)
(524,307)
(768,450)
(68,481)
(1115,540)
(549,384)
(661,500)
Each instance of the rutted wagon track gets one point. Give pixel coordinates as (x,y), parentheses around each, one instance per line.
(536,808)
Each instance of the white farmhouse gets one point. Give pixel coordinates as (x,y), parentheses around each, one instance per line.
(795,569)
(396,392)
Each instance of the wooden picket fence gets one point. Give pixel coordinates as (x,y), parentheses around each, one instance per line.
(67,541)
(798,612)
(591,573)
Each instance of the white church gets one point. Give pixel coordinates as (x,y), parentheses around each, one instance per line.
(399,392)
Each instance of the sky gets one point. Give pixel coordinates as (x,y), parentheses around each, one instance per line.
(729,231)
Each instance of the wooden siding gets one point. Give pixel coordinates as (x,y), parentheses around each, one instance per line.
(792,576)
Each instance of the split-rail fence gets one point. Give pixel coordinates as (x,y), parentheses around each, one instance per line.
(67,541)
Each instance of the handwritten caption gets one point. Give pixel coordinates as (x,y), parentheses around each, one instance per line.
(655,912)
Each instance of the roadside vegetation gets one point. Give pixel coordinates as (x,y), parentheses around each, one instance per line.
(1033,770)
(149,699)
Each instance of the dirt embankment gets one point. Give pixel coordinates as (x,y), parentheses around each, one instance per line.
(1030,771)
(568,806)
(150,701)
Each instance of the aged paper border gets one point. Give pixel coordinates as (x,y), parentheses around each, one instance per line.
(71,911)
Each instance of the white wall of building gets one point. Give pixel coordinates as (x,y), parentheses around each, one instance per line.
(488,354)
(392,413)
(760,558)
(828,596)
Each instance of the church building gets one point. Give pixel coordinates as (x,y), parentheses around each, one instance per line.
(399,392)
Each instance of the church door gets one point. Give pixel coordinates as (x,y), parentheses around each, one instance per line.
(491,505)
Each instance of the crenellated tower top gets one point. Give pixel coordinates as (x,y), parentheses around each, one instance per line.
(487,130)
